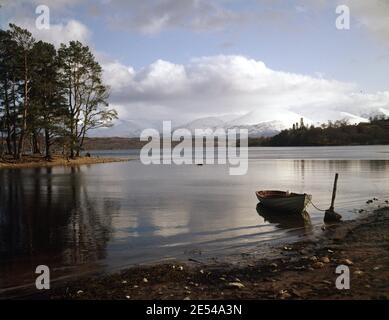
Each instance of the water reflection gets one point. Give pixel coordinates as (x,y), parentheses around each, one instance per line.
(49,218)
(285,221)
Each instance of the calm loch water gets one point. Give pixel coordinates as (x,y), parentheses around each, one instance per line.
(113,215)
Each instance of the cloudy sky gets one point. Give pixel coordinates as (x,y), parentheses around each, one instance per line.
(185,59)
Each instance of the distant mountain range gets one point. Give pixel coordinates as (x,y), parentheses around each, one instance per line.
(258,123)
(262,129)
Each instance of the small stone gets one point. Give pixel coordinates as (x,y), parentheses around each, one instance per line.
(358,272)
(348,262)
(313,258)
(300,268)
(202,271)
(222,279)
(187,298)
(274,265)
(330,251)
(297,293)
(145,280)
(325,259)
(180,268)
(124,282)
(318,265)
(128,297)
(236,285)
(284,294)
(376,268)
(80,292)
(135,286)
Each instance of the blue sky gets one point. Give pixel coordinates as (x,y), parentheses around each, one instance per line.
(296,38)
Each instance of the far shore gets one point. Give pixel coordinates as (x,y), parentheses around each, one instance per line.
(34,161)
(118,143)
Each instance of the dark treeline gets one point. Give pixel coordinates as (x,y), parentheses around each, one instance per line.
(48,96)
(331,134)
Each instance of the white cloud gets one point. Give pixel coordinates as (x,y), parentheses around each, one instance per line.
(154,16)
(58,33)
(374,15)
(217,85)
(63,33)
(371,14)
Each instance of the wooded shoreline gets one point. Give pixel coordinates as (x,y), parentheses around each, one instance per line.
(39,161)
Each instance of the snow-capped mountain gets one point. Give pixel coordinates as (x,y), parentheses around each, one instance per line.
(377,113)
(286,117)
(259,123)
(262,129)
(204,123)
(353,119)
(126,129)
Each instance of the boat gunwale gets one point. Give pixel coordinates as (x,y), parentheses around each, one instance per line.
(276,194)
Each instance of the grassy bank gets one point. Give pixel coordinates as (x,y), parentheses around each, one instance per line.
(33,161)
(303,270)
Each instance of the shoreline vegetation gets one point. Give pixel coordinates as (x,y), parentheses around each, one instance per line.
(339,133)
(300,270)
(34,161)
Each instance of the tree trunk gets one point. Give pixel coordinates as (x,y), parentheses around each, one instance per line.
(47,144)
(35,143)
(7,120)
(25,110)
(13,134)
(8,142)
(71,141)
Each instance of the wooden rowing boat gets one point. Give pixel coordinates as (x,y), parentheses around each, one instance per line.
(291,203)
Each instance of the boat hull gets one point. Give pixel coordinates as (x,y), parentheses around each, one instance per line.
(291,203)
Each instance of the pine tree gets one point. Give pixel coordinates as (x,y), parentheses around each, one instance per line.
(47,99)
(24,44)
(11,91)
(85,93)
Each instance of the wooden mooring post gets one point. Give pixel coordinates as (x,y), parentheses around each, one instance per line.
(334,192)
(330,214)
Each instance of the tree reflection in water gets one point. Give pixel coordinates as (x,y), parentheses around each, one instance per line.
(47,217)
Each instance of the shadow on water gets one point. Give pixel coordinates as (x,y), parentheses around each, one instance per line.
(47,217)
(285,221)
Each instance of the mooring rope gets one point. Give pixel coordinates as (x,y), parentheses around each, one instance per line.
(310,200)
